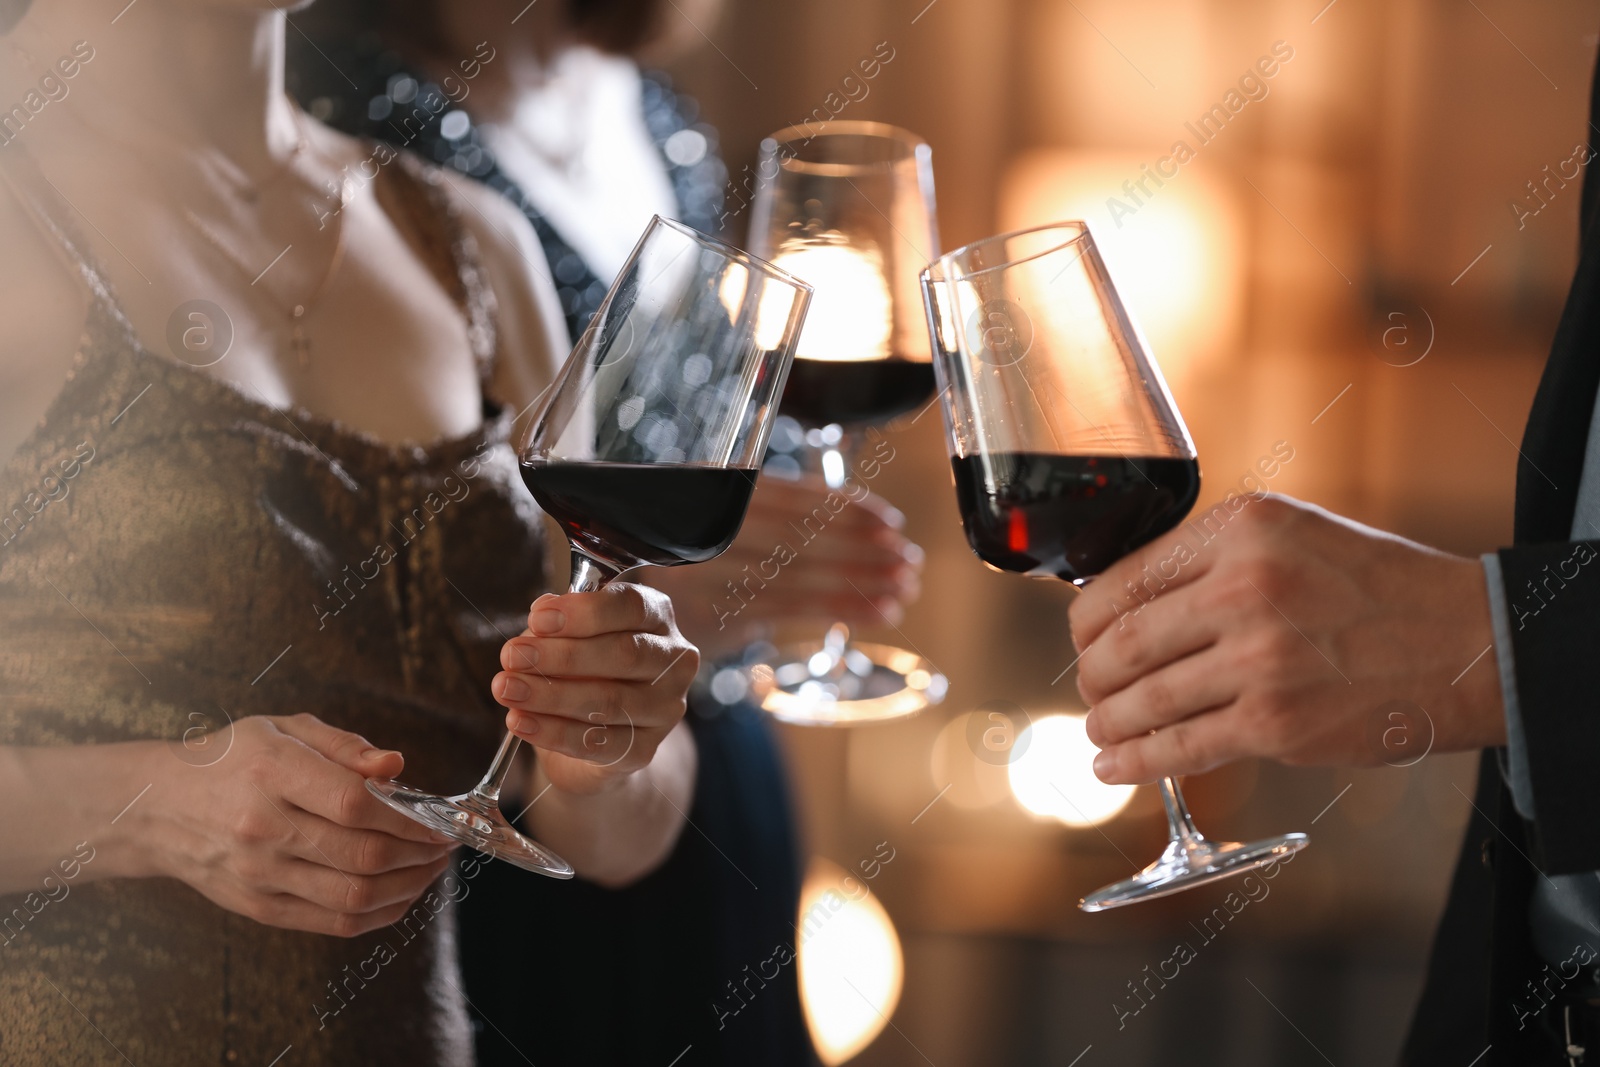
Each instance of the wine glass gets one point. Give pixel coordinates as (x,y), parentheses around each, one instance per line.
(849,208)
(1068,453)
(645,451)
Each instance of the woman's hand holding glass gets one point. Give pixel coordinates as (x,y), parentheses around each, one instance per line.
(596,683)
(283,830)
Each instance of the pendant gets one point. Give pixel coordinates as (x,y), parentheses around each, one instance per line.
(297,336)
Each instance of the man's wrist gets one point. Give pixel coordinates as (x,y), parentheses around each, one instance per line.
(1476,695)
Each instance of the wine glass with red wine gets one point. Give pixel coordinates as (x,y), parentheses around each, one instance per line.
(1068,453)
(645,451)
(849,208)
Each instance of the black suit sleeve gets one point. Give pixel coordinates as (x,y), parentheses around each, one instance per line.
(1553,600)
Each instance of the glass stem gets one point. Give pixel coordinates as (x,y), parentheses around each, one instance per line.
(588,574)
(837,459)
(487,792)
(1179,823)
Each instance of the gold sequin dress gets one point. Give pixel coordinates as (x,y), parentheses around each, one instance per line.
(173,554)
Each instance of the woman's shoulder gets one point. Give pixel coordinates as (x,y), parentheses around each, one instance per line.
(498,228)
(530,330)
(532,333)
(42,309)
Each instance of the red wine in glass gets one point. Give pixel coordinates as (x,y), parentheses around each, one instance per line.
(628,514)
(856,392)
(1069,517)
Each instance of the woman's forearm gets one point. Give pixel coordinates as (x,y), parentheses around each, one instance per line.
(621,834)
(63,808)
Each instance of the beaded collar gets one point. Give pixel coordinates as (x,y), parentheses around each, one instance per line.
(391,103)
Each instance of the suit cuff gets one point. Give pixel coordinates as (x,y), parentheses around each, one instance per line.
(1514,766)
(1552,596)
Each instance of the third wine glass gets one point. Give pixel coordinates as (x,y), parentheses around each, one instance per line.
(849,208)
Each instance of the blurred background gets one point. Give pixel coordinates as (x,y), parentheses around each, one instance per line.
(1366,263)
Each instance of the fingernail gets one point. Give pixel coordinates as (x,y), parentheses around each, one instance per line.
(548,621)
(378,753)
(892,611)
(513,688)
(1105,765)
(895,517)
(444,839)
(525,654)
(913,553)
(522,725)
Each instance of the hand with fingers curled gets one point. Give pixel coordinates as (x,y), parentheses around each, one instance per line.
(1280,635)
(806,554)
(287,834)
(596,683)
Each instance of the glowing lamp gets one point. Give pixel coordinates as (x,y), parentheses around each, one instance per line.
(1174,248)
(851,970)
(1052,774)
(852,314)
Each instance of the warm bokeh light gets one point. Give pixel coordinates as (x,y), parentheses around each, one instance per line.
(735,282)
(851,969)
(852,315)
(1053,774)
(1176,257)
(816,704)
(973,783)
(777,303)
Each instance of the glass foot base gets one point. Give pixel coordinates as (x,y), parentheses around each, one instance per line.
(474,823)
(1191,863)
(833,683)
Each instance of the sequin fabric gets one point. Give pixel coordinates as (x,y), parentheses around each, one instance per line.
(175,554)
(369,91)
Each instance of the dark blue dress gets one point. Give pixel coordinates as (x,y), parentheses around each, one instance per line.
(676,969)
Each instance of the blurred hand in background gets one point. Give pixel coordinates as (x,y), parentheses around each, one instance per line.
(807,554)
